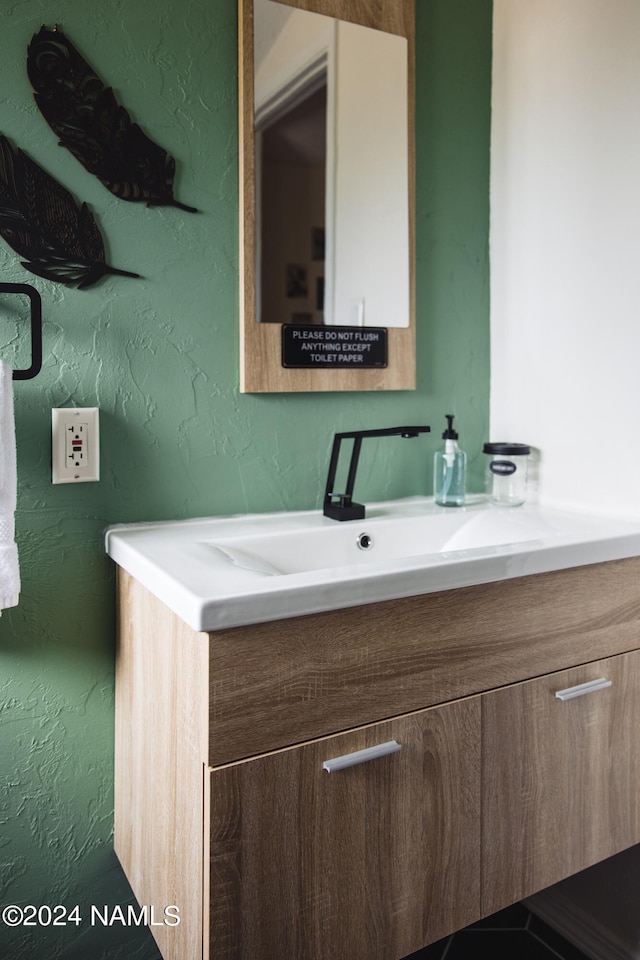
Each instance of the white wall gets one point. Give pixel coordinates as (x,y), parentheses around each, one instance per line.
(565,244)
(565,326)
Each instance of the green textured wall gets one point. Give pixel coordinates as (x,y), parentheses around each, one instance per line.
(159,356)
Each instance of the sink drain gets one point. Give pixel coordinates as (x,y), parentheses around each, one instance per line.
(364,541)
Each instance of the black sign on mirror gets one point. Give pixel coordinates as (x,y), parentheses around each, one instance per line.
(324,347)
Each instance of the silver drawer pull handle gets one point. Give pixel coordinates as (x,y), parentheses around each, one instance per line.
(583,688)
(361,756)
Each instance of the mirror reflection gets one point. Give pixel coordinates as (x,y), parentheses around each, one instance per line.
(332,170)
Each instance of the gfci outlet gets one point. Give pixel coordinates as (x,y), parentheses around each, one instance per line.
(75,444)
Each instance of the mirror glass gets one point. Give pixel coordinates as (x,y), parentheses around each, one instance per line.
(331,152)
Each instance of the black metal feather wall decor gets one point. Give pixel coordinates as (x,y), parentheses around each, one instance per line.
(90,122)
(42,222)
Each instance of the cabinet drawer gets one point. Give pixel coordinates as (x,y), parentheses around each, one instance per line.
(561,777)
(370,862)
(276,684)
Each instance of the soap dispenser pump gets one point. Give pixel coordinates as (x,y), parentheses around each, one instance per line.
(450,469)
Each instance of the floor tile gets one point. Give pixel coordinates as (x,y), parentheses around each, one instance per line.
(554,940)
(515,917)
(498,945)
(435,951)
(511,934)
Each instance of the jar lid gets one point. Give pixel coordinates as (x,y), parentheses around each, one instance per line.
(508,449)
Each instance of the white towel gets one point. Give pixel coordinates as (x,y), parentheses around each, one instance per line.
(9,570)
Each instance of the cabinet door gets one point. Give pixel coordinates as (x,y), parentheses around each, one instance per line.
(561,777)
(370,862)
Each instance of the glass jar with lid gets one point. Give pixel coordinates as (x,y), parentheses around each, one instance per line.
(506,473)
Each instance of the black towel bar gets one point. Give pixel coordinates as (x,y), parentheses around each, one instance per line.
(36,328)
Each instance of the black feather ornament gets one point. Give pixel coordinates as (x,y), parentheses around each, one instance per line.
(42,222)
(90,122)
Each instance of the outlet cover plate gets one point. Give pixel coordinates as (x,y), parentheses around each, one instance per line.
(75,444)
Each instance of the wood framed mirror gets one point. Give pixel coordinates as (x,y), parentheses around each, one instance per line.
(325,285)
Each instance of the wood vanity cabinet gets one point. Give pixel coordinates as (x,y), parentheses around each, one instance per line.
(318,865)
(224,809)
(561,778)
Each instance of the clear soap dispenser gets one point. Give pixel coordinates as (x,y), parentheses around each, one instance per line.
(450,469)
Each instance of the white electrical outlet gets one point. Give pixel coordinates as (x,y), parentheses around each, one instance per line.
(75,444)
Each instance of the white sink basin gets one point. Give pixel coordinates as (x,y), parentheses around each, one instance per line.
(379,538)
(228,571)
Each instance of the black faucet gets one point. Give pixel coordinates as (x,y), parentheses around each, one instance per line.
(340,506)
